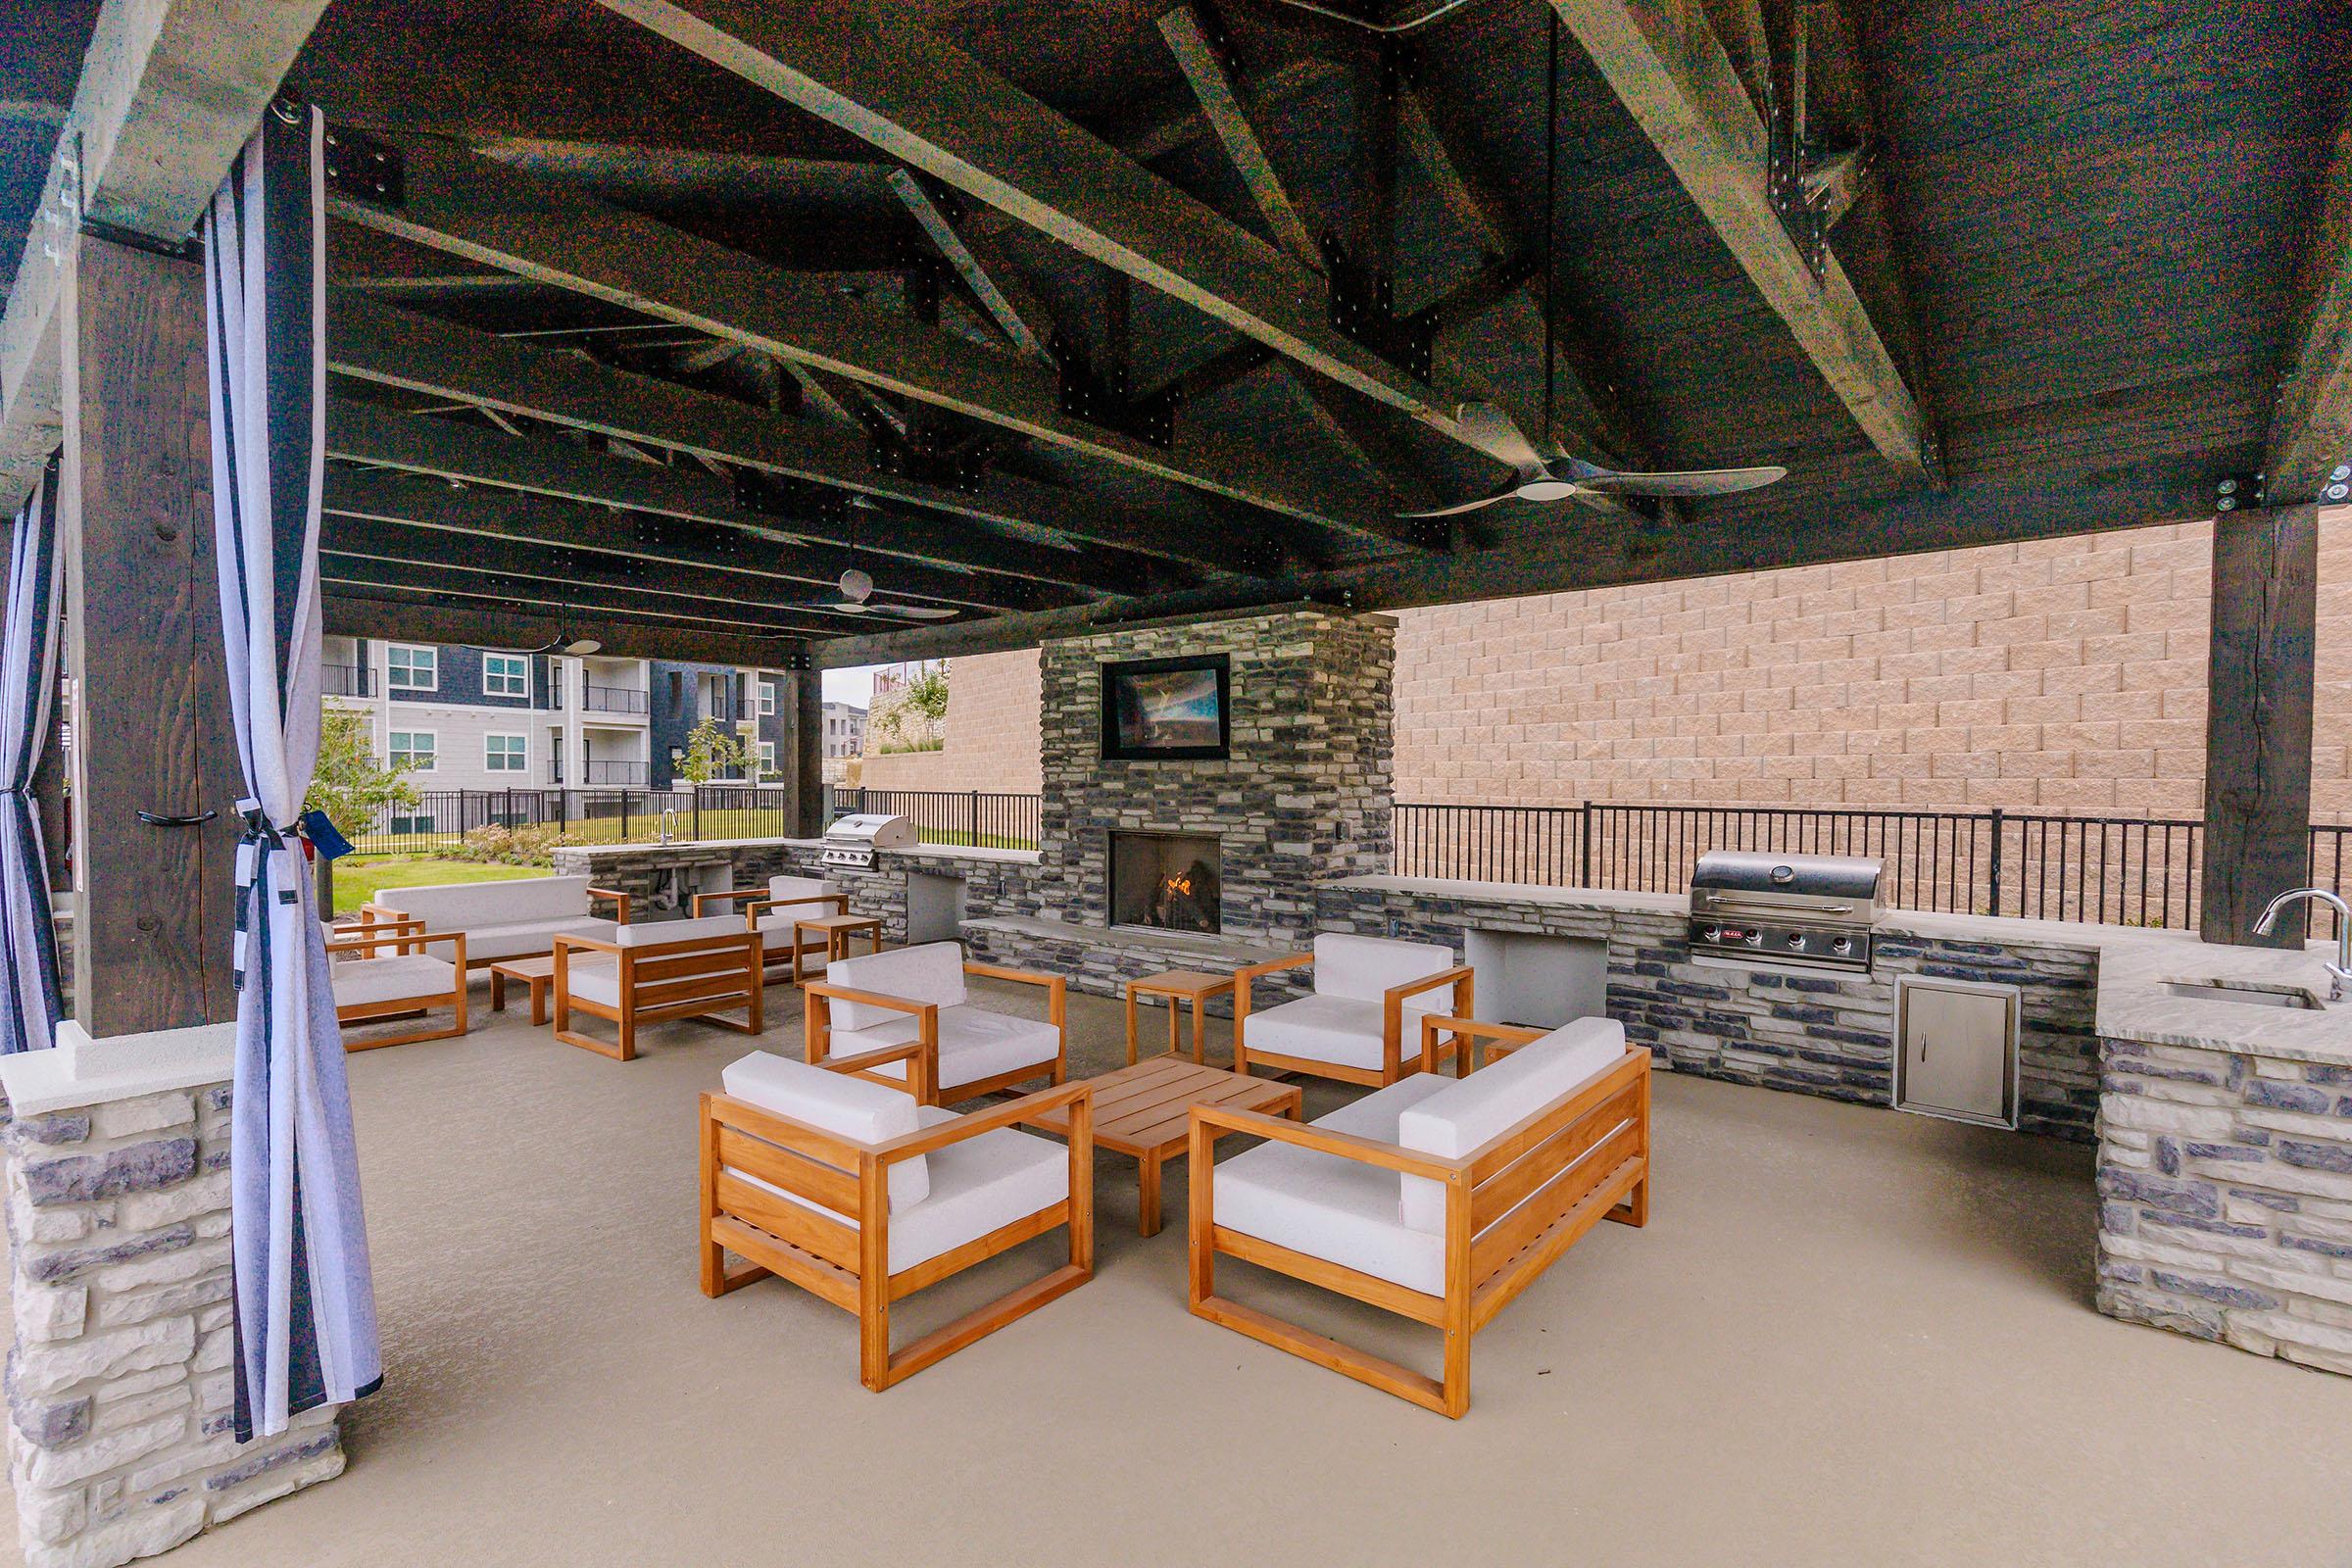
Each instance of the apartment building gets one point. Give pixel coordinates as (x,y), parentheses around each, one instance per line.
(484,719)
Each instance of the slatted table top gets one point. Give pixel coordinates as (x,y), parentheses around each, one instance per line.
(1140,1110)
(1194,983)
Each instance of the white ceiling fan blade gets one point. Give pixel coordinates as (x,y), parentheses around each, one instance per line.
(1695,482)
(1498,436)
(1504,494)
(917,612)
(850,607)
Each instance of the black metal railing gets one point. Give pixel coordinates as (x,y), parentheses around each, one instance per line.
(613,699)
(343,681)
(2111,870)
(984,818)
(600,772)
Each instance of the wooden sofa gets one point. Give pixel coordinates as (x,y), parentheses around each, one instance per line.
(915,996)
(513,919)
(860,1196)
(1436,1199)
(1360,1023)
(771,912)
(641,975)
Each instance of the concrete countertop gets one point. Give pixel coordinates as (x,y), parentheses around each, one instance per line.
(696,849)
(2134,965)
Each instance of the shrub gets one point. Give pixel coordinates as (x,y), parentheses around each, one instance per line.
(492,844)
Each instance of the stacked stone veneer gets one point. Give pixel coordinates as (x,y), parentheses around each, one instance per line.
(1305,793)
(118,1386)
(2226,1186)
(1828,1035)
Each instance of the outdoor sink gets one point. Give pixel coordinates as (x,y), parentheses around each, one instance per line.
(2245,994)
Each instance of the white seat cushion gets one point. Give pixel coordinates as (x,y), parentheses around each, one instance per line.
(932,972)
(1366,967)
(802,887)
(1480,1108)
(593,977)
(530,936)
(972,1044)
(1340,1211)
(1343,1031)
(849,1108)
(363,982)
(653,933)
(469,905)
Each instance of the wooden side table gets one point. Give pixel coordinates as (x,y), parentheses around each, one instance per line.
(538,973)
(1179,986)
(836,929)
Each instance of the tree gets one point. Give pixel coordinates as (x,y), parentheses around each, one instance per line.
(921,706)
(351,786)
(711,749)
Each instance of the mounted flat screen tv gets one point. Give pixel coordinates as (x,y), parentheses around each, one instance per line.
(1166,710)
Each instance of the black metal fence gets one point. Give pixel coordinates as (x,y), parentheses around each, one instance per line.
(2109,870)
(441,819)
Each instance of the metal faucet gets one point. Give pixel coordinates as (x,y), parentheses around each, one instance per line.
(2339,971)
(670,817)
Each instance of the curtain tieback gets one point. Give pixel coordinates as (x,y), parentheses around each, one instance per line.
(259,842)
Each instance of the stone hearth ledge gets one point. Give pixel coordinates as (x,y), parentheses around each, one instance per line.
(118,1386)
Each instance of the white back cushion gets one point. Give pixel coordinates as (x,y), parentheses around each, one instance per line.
(1365,967)
(1457,1120)
(800,886)
(932,972)
(655,932)
(469,906)
(855,1108)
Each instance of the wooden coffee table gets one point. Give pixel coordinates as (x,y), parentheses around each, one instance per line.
(538,973)
(1179,986)
(836,929)
(1140,1110)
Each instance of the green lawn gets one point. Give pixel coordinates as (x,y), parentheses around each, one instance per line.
(357,880)
(645,827)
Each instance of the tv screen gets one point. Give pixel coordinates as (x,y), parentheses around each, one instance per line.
(1166,708)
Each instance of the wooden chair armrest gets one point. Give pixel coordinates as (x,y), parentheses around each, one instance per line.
(1466,1033)
(400,937)
(620,899)
(704,900)
(1364,1150)
(1026,977)
(872,1058)
(594,944)
(839,901)
(1444,977)
(1027,1108)
(868,999)
(1249,972)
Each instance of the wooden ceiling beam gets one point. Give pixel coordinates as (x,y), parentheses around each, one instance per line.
(2311,428)
(870,70)
(585,610)
(1010,317)
(544,230)
(358,432)
(1666,64)
(360,610)
(416,352)
(1219,97)
(169,90)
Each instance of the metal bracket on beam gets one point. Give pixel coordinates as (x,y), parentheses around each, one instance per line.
(922,450)
(2337,486)
(364,169)
(1363,309)
(1785,182)
(2237,492)
(1108,398)
(788,500)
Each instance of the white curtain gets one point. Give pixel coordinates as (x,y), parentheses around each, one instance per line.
(304,1300)
(30,1002)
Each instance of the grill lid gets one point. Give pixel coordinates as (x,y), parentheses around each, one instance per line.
(1763,874)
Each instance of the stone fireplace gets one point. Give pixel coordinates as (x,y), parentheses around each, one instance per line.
(1167,881)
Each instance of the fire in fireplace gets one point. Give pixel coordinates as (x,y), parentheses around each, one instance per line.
(1166,880)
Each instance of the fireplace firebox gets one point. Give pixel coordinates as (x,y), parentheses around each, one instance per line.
(1170,881)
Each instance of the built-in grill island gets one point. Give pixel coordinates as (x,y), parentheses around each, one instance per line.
(1803,911)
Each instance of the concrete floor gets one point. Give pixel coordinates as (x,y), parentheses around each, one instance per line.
(1846,1337)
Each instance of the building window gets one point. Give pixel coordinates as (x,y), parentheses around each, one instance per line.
(412,747)
(768,758)
(413,670)
(504,753)
(506,675)
(767,698)
(413,825)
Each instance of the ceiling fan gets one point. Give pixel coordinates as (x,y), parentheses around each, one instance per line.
(1556,477)
(858,586)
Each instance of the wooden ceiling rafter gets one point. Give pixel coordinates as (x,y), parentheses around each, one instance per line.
(2309,453)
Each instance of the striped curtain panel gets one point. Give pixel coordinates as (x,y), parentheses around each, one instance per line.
(305,1300)
(29,1003)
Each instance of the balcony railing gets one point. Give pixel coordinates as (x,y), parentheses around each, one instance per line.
(615,772)
(615,700)
(343,681)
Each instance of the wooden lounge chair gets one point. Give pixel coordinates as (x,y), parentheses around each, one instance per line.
(642,975)
(770,912)
(1436,1198)
(915,996)
(1360,1023)
(384,971)
(859,1195)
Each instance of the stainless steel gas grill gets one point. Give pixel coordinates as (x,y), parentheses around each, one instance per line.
(1807,911)
(851,843)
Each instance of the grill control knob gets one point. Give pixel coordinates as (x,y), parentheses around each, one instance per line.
(1755,939)
(1796,939)
(1841,944)
(1710,934)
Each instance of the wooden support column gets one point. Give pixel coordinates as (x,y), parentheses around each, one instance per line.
(807,688)
(152,729)
(2257,723)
